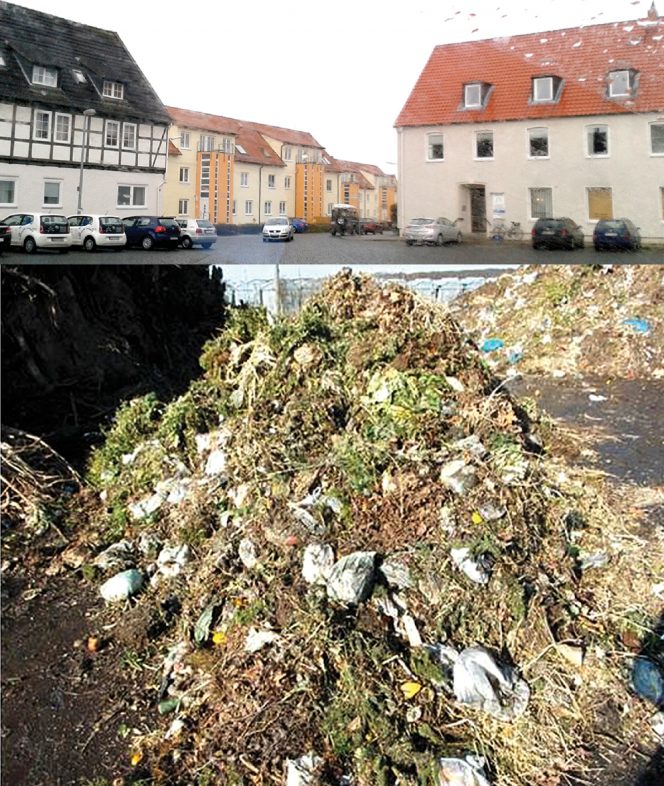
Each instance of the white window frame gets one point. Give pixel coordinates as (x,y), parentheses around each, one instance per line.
(431,145)
(287,181)
(271,181)
(248,207)
(538,84)
(133,129)
(476,143)
(184,174)
(183,207)
(531,191)
(244,179)
(467,95)
(56,137)
(114,90)
(653,152)
(587,132)
(14,189)
(206,143)
(267,207)
(112,124)
(41,113)
(44,75)
(184,140)
(288,153)
(52,182)
(612,83)
(529,137)
(282,208)
(133,187)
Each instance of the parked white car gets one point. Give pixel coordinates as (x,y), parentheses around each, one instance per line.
(278,228)
(196,231)
(92,231)
(33,231)
(431,231)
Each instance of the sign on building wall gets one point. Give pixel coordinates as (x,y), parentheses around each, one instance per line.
(498,205)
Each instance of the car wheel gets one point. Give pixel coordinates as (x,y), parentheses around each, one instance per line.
(409,242)
(206,245)
(186,242)
(536,246)
(89,243)
(29,246)
(147,243)
(264,240)
(439,240)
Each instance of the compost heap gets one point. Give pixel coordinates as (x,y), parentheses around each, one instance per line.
(381,575)
(602,320)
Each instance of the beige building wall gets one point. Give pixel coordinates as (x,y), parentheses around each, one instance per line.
(440,188)
(174,190)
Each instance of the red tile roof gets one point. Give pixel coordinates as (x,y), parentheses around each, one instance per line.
(582,56)
(203,121)
(257,150)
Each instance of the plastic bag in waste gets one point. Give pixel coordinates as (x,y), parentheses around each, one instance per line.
(648,680)
(462,772)
(317,563)
(475,569)
(480,682)
(117,555)
(352,577)
(302,771)
(122,585)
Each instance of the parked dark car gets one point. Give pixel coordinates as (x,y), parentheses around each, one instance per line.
(557,233)
(150,231)
(369,226)
(5,237)
(344,220)
(299,225)
(616,233)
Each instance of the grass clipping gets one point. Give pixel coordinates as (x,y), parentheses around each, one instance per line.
(370,424)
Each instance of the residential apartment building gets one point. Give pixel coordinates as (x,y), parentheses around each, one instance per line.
(241,172)
(568,122)
(75,109)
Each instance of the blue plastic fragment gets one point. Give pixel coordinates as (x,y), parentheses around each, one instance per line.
(514,356)
(639,325)
(648,681)
(492,344)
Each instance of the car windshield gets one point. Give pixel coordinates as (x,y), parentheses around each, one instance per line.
(203,223)
(169,222)
(610,225)
(421,221)
(277,221)
(111,222)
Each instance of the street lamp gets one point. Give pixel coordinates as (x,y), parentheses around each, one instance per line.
(88,113)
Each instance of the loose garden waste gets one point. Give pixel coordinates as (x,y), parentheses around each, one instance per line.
(374,567)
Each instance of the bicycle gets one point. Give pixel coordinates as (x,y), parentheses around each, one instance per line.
(513,232)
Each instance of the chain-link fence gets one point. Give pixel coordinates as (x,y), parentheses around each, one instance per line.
(294,292)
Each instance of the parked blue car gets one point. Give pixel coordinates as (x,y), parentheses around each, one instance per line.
(151,231)
(616,233)
(299,225)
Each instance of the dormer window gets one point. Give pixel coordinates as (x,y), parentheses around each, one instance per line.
(113,90)
(546,89)
(79,76)
(475,95)
(622,83)
(42,75)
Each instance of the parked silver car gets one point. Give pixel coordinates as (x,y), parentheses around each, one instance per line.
(196,231)
(431,231)
(279,228)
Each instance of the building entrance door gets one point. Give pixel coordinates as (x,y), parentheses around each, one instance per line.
(477,209)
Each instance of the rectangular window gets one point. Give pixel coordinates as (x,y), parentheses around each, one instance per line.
(288,153)
(541,203)
(620,84)
(234,207)
(62,128)
(543,88)
(287,181)
(598,140)
(328,185)
(657,138)
(112,90)
(484,144)
(52,192)
(600,203)
(7,192)
(206,143)
(268,208)
(248,207)
(270,181)
(244,179)
(472,96)
(131,196)
(435,147)
(41,75)
(183,207)
(538,142)
(184,140)
(282,208)
(42,125)
(112,133)
(184,174)
(129,136)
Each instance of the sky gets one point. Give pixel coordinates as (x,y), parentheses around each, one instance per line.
(339,70)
